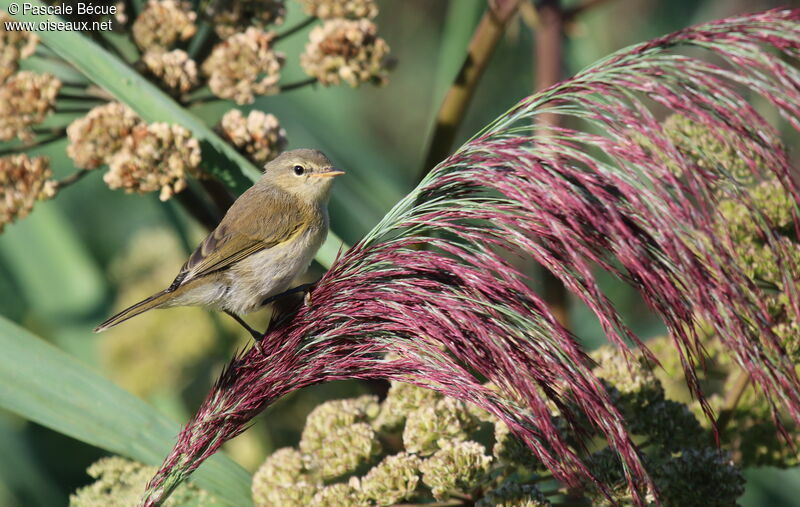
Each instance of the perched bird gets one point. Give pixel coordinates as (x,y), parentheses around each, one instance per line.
(267,238)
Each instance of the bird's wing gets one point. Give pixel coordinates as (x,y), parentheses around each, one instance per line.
(277,221)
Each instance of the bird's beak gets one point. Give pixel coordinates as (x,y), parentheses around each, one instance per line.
(328,172)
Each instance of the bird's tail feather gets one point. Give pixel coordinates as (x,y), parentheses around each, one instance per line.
(153,301)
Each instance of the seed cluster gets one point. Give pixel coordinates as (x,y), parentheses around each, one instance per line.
(231,17)
(23,181)
(14,45)
(243,66)
(258,136)
(26,98)
(174,69)
(153,157)
(343,50)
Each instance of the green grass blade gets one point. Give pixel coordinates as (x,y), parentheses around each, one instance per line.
(47,386)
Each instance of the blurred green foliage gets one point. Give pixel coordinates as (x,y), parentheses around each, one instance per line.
(57,276)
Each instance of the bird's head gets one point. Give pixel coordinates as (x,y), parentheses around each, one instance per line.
(305,173)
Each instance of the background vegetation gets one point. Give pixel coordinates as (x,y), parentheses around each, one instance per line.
(80,257)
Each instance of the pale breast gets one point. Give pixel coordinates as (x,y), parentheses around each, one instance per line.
(271,271)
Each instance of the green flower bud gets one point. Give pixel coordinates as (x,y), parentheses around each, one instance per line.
(457,466)
(282,480)
(400,401)
(343,451)
(342,494)
(430,425)
(120,482)
(704,477)
(336,414)
(632,377)
(512,494)
(709,151)
(667,424)
(394,479)
(510,450)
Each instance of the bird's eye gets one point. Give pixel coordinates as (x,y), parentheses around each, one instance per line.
(299,170)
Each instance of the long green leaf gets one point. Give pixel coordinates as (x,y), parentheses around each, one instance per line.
(152,104)
(43,384)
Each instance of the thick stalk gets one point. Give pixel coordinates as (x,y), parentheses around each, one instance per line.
(732,399)
(549,57)
(481,47)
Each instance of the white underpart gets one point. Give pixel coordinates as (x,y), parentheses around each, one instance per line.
(244,286)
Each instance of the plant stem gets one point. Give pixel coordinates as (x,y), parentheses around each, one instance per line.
(193,202)
(575,11)
(86,98)
(28,146)
(295,28)
(298,84)
(451,111)
(72,178)
(218,193)
(732,399)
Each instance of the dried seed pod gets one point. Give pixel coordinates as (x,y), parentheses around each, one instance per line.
(344,50)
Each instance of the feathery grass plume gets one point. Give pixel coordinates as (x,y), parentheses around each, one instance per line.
(26,98)
(96,137)
(258,136)
(346,50)
(23,181)
(14,45)
(458,313)
(243,66)
(164,23)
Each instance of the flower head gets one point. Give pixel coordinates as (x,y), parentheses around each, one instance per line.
(393,480)
(341,494)
(23,181)
(345,50)
(512,494)
(14,45)
(26,98)
(243,66)
(119,482)
(234,16)
(337,440)
(259,136)
(154,157)
(281,480)
(459,466)
(163,23)
(96,137)
(174,69)
(432,425)
(350,9)
(401,399)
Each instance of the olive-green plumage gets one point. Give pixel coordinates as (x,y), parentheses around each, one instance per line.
(267,238)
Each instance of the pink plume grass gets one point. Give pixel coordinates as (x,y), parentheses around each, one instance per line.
(573,199)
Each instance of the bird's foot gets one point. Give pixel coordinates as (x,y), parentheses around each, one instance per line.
(257,336)
(306,287)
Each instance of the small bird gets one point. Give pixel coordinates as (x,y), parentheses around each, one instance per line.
(267,238)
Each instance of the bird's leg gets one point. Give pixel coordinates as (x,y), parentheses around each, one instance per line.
(255,334)
(300,288)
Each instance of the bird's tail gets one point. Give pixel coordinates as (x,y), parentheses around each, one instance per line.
(153,301)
